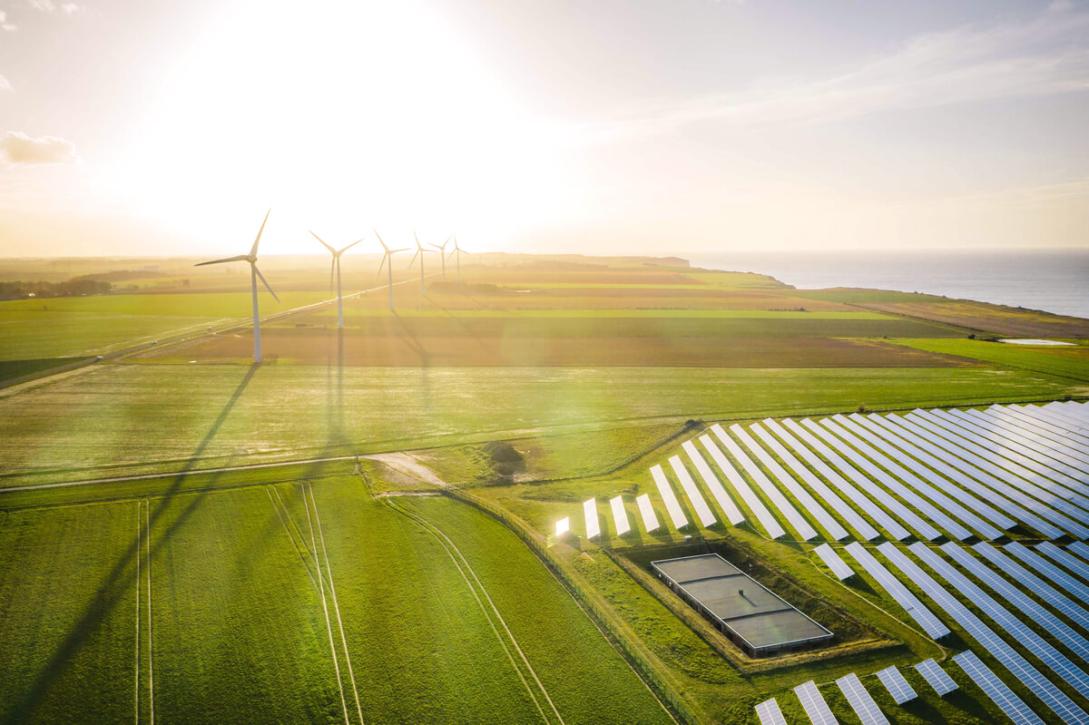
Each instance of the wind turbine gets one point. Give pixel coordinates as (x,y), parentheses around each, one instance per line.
(335,269)
(442,254)
(387,261)
(420,252)
(457,256)
(254,274)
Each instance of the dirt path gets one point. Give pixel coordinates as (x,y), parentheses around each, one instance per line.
(407,464)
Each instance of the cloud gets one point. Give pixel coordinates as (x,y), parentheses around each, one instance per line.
(5,84)
(51,7)
(4,24)
(19,148)
(1043,55)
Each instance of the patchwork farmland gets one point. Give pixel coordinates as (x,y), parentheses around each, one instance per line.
(364,527)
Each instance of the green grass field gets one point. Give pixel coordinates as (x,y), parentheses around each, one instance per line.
(322,591)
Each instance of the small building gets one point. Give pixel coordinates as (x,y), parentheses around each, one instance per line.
(756,619)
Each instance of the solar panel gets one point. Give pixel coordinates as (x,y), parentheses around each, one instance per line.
(1079,548)
(1026,442)
(1023,466)
(1040,433)
(620,515)
(898,687)
(831,560)
(844,446)
(863,439)
(813,704)
(795,519)
(1006,699)
(1010,658)
(846,512)
(733,513)
(1025,636)
(1045,427)
(810,504)
(563,526)
(909,517)
(646,510)
(879,426)
(860,701)
(877,515)
(911,604)
(1062,419)
(936,677)
(1065,558)
(769,713)
(589,510)
(1013,594)
(1034,584)
(703,511)
(673,507)
(742,487)
(1000,480)
(1048,569)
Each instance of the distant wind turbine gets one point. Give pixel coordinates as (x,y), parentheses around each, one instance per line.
(254,274)
(420,252)
(387,261)
(457,256)
(335,269)
(442,254)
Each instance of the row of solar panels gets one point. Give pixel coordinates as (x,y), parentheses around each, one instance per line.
(927,474)
(860,700)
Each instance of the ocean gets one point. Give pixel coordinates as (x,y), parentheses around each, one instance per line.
(1052,280)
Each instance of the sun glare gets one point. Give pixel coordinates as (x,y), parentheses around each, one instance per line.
(346,116)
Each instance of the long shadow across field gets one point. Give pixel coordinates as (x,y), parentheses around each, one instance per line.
(116,584)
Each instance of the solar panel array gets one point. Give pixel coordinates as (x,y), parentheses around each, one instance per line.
(833,561)
(899,688)
(1006,699)
(593,526)
(769,713)
(733,513)
(814,705)
(771,526)
(860,700)
(620,515)
(938,679)
(646,512)
(911,604)
(673,506)
(703,511)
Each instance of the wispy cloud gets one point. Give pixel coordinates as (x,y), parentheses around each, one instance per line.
(19,148)
(1043,55)
(5,84)
(4,24)
(50,6)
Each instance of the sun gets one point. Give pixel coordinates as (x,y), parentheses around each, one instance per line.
(341,116)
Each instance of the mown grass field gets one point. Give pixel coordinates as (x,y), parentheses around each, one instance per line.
(1065,362)
(240,582)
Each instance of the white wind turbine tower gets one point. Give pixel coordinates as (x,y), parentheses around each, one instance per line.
(442,254)
(456,251)
(335,269)
(254,274)
(420,252)
(387,261)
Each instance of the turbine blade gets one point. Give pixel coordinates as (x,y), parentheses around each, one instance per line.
(381,264)
(414,257)
(402,249)
(380,240)
(236,258)
(332,270)
(323,243)
(253,249)
(267,285)
(345,249)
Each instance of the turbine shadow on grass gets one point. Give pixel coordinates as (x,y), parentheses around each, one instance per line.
(116,584)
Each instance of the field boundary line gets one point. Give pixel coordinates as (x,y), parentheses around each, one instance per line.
(336,603)
(139,582)
(150,656)
(291,536)
(453,548)
(325,609)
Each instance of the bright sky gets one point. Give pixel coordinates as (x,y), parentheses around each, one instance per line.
(653,126)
